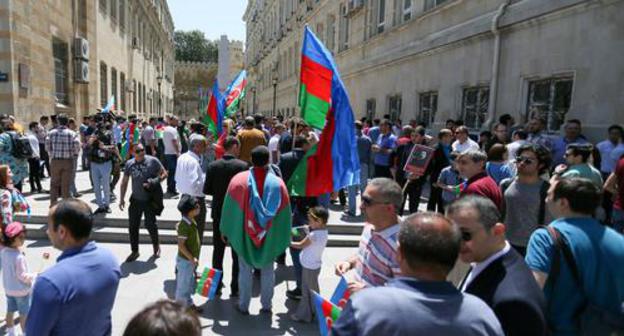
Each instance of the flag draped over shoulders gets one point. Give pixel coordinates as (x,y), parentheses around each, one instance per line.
(257,232)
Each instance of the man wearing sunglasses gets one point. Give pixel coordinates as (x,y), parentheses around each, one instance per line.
(525,196)
(498,274)
(376,260)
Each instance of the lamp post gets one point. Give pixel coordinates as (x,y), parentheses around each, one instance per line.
(159,81)
(274,95)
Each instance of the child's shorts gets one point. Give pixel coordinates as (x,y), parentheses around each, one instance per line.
(19,304)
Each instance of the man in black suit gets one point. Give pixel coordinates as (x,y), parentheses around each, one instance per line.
(218,177)
(441,159)
(299,205)
(498,274)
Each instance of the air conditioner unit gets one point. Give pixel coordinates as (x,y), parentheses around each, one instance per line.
(81,71)
(81,48)
(135,43)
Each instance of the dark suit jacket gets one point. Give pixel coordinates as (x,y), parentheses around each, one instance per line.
(438,162)
(218,177)
(508,287)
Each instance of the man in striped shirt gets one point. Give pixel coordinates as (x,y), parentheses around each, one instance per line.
(376,261)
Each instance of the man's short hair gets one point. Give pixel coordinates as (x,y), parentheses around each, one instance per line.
(474,155)
(44,118)
(164,317)
(616,128)
(301,141)
(582,194)
(444,132)
(521,134)
(62,119)
(75,215)
(584,150)
(574,121)
(389,191)
(33,125)
(462,129)
(424,242)
(420,130)
(376,121)
(488,212)
(260,156)
(186,204)
(358,125)
(386,122)
(230,142)
(250,122)
(542,153)
(504,119)
(196,139)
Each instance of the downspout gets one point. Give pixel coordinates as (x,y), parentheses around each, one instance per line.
(495,65)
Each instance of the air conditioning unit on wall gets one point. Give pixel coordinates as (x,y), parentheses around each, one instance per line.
(81,71)
(81,48)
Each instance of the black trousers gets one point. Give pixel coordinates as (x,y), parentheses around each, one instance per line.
(382,171)
(34,174)
(413,191)
(435,199)
(219,252)
(46,160)
(136,210)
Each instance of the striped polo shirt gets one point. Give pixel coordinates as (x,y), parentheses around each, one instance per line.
(377,255)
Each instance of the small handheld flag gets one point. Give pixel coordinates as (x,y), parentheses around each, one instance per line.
(326,312)
(110,106)
(208,283)
(341,294)
(460,188)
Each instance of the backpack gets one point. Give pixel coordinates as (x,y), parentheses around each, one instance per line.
(20,146)
(593,320)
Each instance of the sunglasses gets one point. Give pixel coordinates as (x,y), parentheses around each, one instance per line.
(368,201)
(466,236)
(523,159)
(139,151)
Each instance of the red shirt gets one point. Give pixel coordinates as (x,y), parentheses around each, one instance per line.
(619,173)
(483,185)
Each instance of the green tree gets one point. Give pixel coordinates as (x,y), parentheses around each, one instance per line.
(192,46)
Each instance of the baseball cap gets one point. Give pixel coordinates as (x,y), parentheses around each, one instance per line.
(14,229)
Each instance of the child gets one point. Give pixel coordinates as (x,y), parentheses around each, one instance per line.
(312,247)
(188,251)
(15,276)
(448,181)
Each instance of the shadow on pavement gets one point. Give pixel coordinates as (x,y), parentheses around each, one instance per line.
(169,287)
(137,267)
(40,243)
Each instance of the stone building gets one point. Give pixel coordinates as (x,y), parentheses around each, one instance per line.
(191,78)
(431,60)
(71,56)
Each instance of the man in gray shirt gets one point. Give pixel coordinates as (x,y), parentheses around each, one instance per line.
(147,173)
(525,194)
(421,301)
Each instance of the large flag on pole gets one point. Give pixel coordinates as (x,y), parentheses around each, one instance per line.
(333,163)
(234,93)
(110,105)
(213,118)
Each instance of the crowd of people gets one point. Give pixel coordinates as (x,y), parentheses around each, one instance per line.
(538,218)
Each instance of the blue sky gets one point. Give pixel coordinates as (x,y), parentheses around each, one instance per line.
(213,17)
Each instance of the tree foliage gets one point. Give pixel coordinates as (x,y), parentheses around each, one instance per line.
(192,46)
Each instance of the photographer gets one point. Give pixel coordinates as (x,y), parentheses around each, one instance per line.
(101,150)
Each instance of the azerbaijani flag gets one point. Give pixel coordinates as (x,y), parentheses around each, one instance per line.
(208,283)
(235,93)
(213,118)
(326,312)
(132,138)
(257,237)
(333,163)
(341,294)
(110,106)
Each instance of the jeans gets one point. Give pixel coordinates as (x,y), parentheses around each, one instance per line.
(185,281)
(353,190)
(323,200)
(245,284)
(135,211)
(101,182)
(618,220)
(171,161)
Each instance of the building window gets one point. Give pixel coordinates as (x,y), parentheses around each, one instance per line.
(103,84)
(550,99)
(122,91)
(59,53)
(103,5)
(134,95)
(428,107)
(331,33)
(370,109)
(122,15)
(381,16)
(475,106)
(343,35)
(113,10)
(394,107)
(114,86)
(407,10)
(430,4)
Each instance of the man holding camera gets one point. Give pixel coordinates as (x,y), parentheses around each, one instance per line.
(101,151)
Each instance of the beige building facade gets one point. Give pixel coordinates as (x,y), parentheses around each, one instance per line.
(432,60)
(72,56)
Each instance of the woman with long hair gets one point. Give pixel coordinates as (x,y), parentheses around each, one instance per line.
(19,167)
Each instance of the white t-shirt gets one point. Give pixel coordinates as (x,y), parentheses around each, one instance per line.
(466,146)
(273,146)
(170,134)
(311,256)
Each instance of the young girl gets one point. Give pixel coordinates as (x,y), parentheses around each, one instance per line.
(15,276)
(312,247)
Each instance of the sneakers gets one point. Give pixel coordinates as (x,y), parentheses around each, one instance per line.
(266,311)
(132,257)
(102,210)
(294,294)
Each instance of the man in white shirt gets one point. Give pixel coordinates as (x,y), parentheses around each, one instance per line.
(34,162)
(190,177)
(498,274)
(171,141)
(463,142)
(274,154)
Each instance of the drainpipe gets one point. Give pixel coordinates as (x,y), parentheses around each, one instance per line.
(495,65)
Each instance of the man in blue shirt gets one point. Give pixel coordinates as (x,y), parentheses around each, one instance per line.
(75,296)
(364,145)
(421,301)
(572,135)
(597,251)
(383,148)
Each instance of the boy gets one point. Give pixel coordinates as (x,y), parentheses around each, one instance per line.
(448,181)
(312,247)
(188,251)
